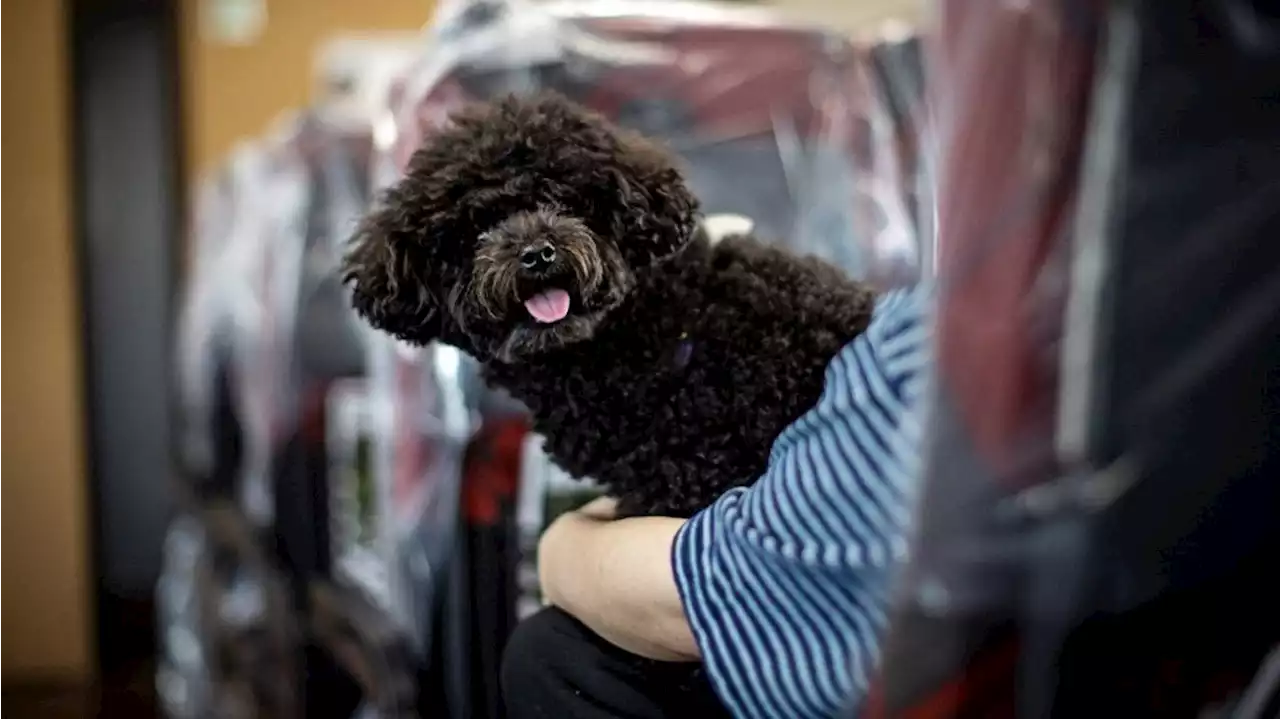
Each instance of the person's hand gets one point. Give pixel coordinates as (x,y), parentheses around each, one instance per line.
(615,576)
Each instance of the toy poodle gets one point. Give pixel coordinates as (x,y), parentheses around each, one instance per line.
(566,255)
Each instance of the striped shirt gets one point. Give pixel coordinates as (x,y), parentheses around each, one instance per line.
(785,583)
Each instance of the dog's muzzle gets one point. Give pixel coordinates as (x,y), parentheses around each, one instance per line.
(544,280)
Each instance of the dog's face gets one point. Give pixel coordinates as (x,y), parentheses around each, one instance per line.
(517,230)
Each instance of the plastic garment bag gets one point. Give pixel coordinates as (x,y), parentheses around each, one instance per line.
(246,374)
(224,246)
(270,356)
(788,126)
(228,630)
(1098,532)
(396,544)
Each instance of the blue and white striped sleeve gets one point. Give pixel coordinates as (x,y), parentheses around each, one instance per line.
(785,583)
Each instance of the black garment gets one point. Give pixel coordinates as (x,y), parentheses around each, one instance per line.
(554,667)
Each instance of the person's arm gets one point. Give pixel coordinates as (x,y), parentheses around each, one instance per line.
(615,576)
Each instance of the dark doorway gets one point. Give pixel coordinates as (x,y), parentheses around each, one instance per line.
(128,198)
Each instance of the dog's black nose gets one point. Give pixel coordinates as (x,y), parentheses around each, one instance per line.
(539,257)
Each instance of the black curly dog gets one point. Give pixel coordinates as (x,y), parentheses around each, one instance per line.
(565,255)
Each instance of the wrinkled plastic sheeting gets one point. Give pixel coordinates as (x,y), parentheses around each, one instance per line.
(245,234)
(266,229)
(1098,529)
(1009,88)
(789,126)
(419,425)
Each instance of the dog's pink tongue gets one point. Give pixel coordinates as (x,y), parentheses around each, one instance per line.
(550,306)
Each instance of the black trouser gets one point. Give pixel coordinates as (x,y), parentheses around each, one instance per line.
(556,668)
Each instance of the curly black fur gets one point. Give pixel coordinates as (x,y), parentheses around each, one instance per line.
(679,361)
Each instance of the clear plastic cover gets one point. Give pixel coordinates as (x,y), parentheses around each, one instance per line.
(240,303)
(1103,422)
(227,643)
(812,139)
(792,127)
(266,322)
(1009,83)
(222,250)
(183,675)
(1092,539)
(397,544)
(224,354)
(267,234)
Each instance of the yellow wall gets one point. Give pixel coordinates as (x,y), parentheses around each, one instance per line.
(231,92)
(46,584)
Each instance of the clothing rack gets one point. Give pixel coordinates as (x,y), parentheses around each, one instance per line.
(371,507)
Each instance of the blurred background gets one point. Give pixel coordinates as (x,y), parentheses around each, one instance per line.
(226,497)
(119,115)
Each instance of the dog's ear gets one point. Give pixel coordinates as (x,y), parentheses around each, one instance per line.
(385,274)
(655,212)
